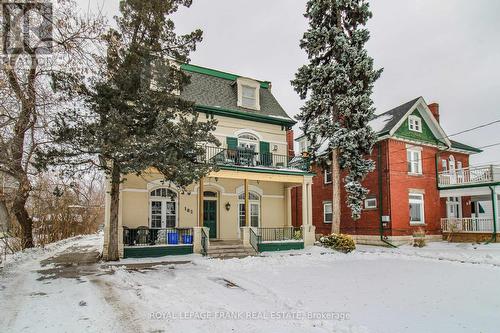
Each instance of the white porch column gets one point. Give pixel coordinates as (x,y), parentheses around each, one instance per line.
(200,203)
(308,229)
(197,247)
(120,225)
(245,236)
(494,205)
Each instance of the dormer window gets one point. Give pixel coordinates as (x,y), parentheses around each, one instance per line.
(248,97)
(415,124)
(248,93)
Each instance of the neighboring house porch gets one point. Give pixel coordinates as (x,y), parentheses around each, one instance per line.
(472,210)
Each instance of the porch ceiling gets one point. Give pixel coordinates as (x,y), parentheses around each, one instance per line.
(270,177)
(462,192)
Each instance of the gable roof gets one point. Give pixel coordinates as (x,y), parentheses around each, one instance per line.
(387,123)
(213,90)
(383,123)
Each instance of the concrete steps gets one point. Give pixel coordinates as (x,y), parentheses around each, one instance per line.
(227,251)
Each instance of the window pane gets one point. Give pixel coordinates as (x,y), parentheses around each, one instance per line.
(248,102)
(209,194)
(156,214)
(327,212)
(170,221)
(254,220)
(248,92)
(415,212)
(415,197)
(242,214)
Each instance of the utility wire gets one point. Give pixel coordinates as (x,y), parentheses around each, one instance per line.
(461,132)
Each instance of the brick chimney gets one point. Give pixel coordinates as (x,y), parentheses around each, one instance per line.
(434,107)
(290,142)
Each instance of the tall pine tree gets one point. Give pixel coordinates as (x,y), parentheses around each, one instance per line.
(337,84)
(134,118)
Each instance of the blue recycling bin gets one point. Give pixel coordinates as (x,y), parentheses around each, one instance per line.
(173,238)
(187,239)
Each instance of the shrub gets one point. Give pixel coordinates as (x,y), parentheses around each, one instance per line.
(419,238)
(339,242)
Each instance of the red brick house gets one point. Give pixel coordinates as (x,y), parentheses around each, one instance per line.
(422,183)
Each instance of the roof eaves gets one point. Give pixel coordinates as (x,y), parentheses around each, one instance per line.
(246,115)
(219,74)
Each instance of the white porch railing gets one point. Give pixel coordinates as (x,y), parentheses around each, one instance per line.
(470,175)
(467,224)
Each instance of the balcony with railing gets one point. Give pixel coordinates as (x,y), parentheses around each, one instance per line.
(242,157)
(469,176)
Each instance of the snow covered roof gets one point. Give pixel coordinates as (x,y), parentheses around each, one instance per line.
(383,123)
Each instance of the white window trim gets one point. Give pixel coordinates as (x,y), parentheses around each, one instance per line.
(241,81)
(324,212)
(251,202)
(368,200)
(412,121)
(422,210)
(163,201)
(324,175)
(417,150)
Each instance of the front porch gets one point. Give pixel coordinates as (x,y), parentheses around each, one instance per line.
(472,211)
(251,208)
(147,242)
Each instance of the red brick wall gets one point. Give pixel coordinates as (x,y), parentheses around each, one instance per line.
(396,185)
(402,183)
(321,192)
(369,223)
(289,142)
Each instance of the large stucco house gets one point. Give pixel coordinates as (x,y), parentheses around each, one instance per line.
(246,203)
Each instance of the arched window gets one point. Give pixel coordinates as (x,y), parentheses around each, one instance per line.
(254,202)
(248,141)
(210,194)
(163,208)
(163,192)
(451,162)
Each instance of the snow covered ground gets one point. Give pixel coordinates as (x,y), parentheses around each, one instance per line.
(440,288)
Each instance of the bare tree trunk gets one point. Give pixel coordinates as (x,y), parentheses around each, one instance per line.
(336,193)
(4,217)
(113,253)
(20,212)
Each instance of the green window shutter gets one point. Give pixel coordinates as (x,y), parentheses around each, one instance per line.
(232,143)
(266,157)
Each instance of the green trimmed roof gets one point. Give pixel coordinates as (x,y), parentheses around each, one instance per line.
(216,92)
(462,146)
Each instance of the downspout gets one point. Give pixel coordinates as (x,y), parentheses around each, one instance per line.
(380,195)
(494,205)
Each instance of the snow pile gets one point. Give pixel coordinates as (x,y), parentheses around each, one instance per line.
(458,252)
(35,253)
(439,288)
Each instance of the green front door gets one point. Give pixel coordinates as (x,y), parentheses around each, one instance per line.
(210,217)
